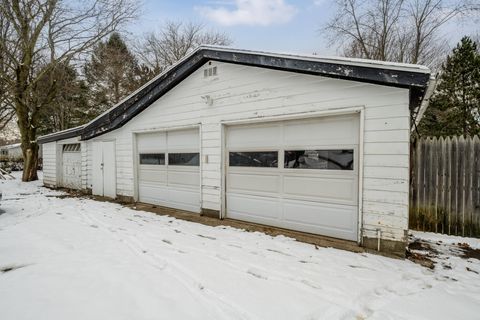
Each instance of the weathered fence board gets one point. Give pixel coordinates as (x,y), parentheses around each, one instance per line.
(445,186)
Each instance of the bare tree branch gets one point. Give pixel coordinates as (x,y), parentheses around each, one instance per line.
(158,50)
(36,37)
(394,30)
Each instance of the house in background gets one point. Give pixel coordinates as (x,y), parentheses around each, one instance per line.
(319,145)
(11,151)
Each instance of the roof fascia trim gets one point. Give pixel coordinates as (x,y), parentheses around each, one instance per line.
(141,99)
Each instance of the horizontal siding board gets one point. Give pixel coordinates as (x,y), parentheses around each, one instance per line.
(394,185)
(387,111)
(386,173)
(211,205)
(385,209)
(386,160)
(387,136)
(384,196)
(398,123)
(394,148)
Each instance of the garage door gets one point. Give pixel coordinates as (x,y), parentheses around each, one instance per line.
(300,175)
(71,166)
(168,169)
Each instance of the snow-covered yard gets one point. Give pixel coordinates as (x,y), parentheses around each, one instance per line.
(72,258)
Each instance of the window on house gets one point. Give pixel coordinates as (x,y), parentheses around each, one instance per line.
(184,159)
(152,158)
(267,159)
(319,159)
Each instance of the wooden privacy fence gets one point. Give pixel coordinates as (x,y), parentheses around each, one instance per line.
(445,186)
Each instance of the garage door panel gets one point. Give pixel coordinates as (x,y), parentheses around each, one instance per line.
(152,193)
(253,208)
(238,182)
(327,219)
(152,175)
(340,190)
(183,178)
(183,140)
(187,199)
(183,199)
(327,132)
(152,142)
(254,137)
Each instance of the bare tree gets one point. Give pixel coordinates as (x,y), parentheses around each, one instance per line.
(158,50)
(7,112)
(38,35)
(393,30)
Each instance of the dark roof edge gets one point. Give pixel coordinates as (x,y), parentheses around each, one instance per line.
(61,135)
(412,77)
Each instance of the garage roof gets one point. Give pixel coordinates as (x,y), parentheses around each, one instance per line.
(413,77)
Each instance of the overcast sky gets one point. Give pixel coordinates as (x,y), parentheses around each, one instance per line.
(270,25)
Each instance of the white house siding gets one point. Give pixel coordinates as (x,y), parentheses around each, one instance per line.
(49,154)
(241,92)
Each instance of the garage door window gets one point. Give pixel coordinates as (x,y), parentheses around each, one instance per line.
(254,159)
(152,158)
(183,159)
(319,159)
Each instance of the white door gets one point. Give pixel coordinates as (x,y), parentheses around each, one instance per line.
(72,166)
(168,169)
(298,174)
(103,169)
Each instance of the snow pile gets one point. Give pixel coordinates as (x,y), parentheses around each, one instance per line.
(71,258)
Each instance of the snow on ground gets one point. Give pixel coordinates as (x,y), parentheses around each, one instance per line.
(73,258)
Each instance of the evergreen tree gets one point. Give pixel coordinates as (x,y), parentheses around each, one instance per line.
(454,107)
(112,73)
(68,107)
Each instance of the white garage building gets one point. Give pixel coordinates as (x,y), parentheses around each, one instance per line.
(319,145)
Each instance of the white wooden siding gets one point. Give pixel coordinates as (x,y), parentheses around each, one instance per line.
(241,92)
(49,154)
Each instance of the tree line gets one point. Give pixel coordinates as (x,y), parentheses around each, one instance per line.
(63,62)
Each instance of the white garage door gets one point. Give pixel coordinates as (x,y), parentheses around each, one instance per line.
(168,169)
(72,166)
(299,174)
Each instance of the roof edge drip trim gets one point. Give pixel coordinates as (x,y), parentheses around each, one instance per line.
(413,77)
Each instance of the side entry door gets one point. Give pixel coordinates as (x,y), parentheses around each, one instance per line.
(103,169)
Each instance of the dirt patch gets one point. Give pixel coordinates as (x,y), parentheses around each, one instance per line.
(420,259)
(421,253)
(468,252)
(420,245)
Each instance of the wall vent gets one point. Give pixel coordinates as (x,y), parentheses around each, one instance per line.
(210,72)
